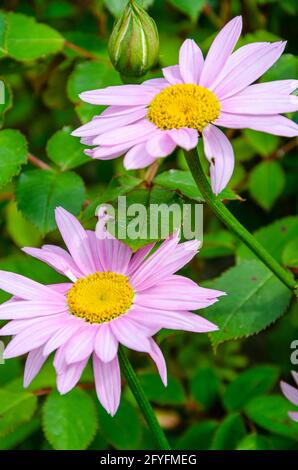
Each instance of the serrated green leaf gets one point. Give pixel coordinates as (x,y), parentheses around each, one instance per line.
(28,40)
(39,192)
(271,413)
(266,183)
(123,431)
(182,181)
(69,421)
(255,299)
(262,142)
(66,151)
(13,154)
(249,384)
(274,237)
(155,391)
(15,409)
(290,254)
(229,433)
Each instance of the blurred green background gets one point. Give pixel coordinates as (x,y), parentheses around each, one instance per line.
(221,394)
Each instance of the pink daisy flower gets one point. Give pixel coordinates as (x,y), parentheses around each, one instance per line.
(291,394)
(114,296)
(148,121)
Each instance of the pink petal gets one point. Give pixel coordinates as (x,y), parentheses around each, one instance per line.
(27,289)
(34,336)
(220,51)
(80,346)
(68,379)
(246,102)
(138,157)
(166,260)
(34,362)
(173,320)
(219,152)
(108,383)
(129,335)
(76,240)
(191,62)
(274,124)
(284,87)
(114,255)
(125,134)
(159,360)
(116,111)
(245,66)
(94,244)
(160,144)
(67,331)
(172,74)
(293,415)
(139,257)
(185,137)
(17,326)
(165,298)
(99,125)
(290,392)
(105,344)
(30,309)
(62,287)
(120,95)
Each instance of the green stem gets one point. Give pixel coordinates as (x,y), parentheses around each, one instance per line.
(142,400)
(232,223)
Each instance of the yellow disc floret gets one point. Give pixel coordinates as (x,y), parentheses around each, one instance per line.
(183,105)
(100,297)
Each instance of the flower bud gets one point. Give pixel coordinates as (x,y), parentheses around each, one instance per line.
(134,42)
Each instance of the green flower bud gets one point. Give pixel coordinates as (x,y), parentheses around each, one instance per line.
(134,42)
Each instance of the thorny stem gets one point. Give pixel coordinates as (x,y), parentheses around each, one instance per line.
(38,163)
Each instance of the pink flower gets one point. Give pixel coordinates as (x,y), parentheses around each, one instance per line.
(291,394)
(114,296)
(148,121)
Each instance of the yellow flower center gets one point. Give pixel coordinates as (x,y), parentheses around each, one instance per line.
(100,297)
(183,105)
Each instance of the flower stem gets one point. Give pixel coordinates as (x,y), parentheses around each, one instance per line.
(232,223)
(142,400)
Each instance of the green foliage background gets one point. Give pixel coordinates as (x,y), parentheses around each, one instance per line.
(224,396)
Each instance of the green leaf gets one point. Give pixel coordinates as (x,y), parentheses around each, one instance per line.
(285,67)
(39,192)
(263,143)
(198,436)
(89,76)
(173,394)
(255,299)
(253,442)
(15,409)
(118,186)
(274,237)
(191,8)
(28,40)
(266,183)
(229,433)
(204,387)
(69,421)
(290,254)
(182,181)
(271,413)
(13,154)
(249,384)
(6,99)
(217,244)
(123,431)
(22,232)
(14,438)
(66,151)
